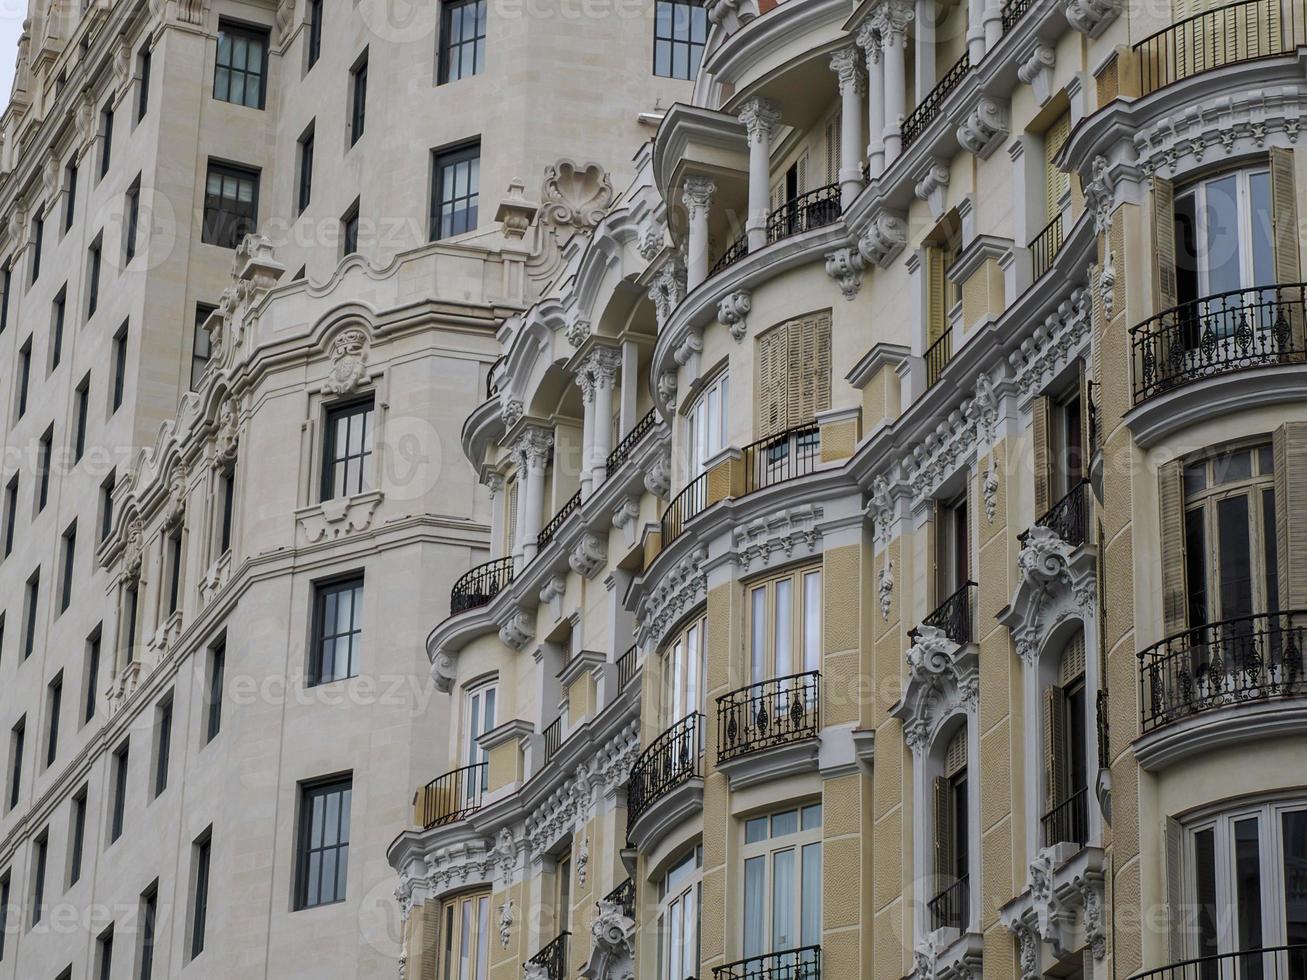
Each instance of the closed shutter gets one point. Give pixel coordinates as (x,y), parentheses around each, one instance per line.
(1056,183)
(943,832)
(777,196)
(802,167)
(1165,293)
(808,369)
(1039,411)
(1284,231)
(1055,749)
(772,355)
(512,516)
(1290,448)
(1072,667)
(833,149)
(936,293)
(1170,498)
(1176,904)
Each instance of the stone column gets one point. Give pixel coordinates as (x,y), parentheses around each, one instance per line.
(495,484)
(519,521)
(869,41)
(924,49)
(976,30)
(535,445)
(895,15)
(604,363)
(585,382)
(762,120)
(845,64)
(697,195)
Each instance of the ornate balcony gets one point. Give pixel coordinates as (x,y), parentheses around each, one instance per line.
(792,964)
(480,585)
(623,898)
(937,356)
(737,250)
(785,456)
(1271,963)
(927,111)
(453,797)
(951,908)
(807,212)
(627,665)
(1013,11)
(623,450)
(1068,518)
(1068,822)
(769,714)
(688,504)
(1236,662)
(1219,335)
(558,520)
(955,616)
(553,739)
(492,389)
(551,962)
(1045,247)
(672,759)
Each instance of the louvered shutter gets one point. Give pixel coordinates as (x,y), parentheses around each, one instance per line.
(943,831)
(1170,498)
(772,395)
(1072,667)
(1164,284)
(936,293)
(807,381)
(801,165)
(833,149)
(1290,448)
(1055,749)
(1285,240)
(1056,182)
(1039,411)
(512,516)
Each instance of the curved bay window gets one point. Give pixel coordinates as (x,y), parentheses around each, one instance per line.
(1223,235)
(679,893)
(785,625)
(683,674)
(706,423)
(465,940)
(782,890)
(950,908)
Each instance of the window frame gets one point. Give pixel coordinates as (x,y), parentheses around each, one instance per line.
(219,207)
(465,930)
(252,34)
(800,842)
(121,760)
(448,58)
(304,172)
(333,415)
(701,446)
(309,792)
(441,159)
(697,23)
(358,97)
(684,673)
(324,590)
(680,897)
(764,598)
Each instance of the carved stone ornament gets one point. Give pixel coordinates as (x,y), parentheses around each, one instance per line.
(653,239)
(658,479)
(569,807)
(845,266)
(985,127)
(134,548)
(1061,906)
(175,509)
(228,438)
(625,514)
(1107,283)
(516,212)
(989,490)
(667,288)
(554,588)
(578,331)
(512,412)
(733,313)
(1056,583)
(1036,70)
(675,594)
(1060,339)
(284,14)
(505,855)
(943,678)
(1091,17)
(667,383)
(506,918)
(191,11)
(339,517)
(688,349)
(885,588)
(1100,195)
(589,556)
(612,955)
(576,195)
(516,631)
(536,971)
(349,358)
(778,537)
(932,185)
(880,508)
(885,238)
(582,859)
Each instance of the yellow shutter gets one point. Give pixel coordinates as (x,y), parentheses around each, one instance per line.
(1164,284)
(1170,497)
(1055,749)
(943,830)
(1072,667)
(1290,448)
(1284,216)
(808,369)
(1039,410)
(1056,182)
(511,537)
(772,395)
(936,293)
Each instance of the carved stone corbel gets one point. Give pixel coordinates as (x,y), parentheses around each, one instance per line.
(845,266)
(985,127)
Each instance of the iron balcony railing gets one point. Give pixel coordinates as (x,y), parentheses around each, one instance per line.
(951,908)
(553,739)
(687,505)
(1270,963)
(784,456)
(1095,419)
(767,714)
(670,760)
(807,212)
(1218,335)
(1104,732)
(737,250)
(1013,11)
(1068,822)
(492,389)
(553,958)
(1045,247)
(955,616)
(1227,35)
(937,355)
(558,520)
(452,796)
(627,664)
(480,585)
(622,452)
(792,964)
(927,111)
(623,896)
(1068,518)
(1237,661)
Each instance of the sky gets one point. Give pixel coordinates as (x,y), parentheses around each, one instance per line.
(12,13)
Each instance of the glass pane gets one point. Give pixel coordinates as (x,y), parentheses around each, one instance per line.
(464,966)
(812,621)
(782,898)
(785,823)
(754,883)
(1221,236)
(755,830)
(1248,889)
(812,817)
(758,636)
(1196,566)
(1236,562)
(1295,877)
(810,902)
(1186,249)
(692,670)
(1270,558)
(677,942)
(483,938)
(1259,189)
(784,627)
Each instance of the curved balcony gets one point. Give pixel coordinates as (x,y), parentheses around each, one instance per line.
(671,760)
(685,506)
(1219,335)
(480,585)
(785,456)
(807,212)
(928,109)
(623,450)
(558,520)
(492,388)
(1241,661)
(452,797)
(1068,518)
(792,964)
(955,616)
(767,715)
(1271,963)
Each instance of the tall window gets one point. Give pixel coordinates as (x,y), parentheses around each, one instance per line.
(54,696)
(1223,235)
(92,679)
(17,738)
(69,565)
(131,220)
(465,946)
(106,503)
(40,860)
(337,630)
(149,922)
(227,497)
(106,139)
(462,39)
(480,719)
(1066,749)
(93,259)
(37,246)
(1066,441)
(707,423)
(70,194)
(45,447)
(173,544)
(201,344)
(323,848)
(241,68)
(11,512)
(683,674)
(952,547)
(213,707)
(77,837)
(679,901)
(951,812)
(231,204)
(4,911)
(347,450)
(680,33)
(162,744)
(782,882)
(358,97)
(118,805)
(142,82)
(58,311)
(119,367)
(785,625)
(31,611)
(6,284)
(104,955)
(1057,182)
(304,192)
(313,32)
(201,854)
(24,376)
(456,184)
(794,366)
(349,230)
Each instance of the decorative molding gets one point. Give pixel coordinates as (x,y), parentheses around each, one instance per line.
(733,313)
(932,185)
(943,676)
(1056,582)
(885,237)
(517,629)
(568,808)
(349,359)
(985,127)
(946,954)
(761,118)
(1062,906)
(589,555)
(625,515)
(506,919)
(1100,195)
(1064,336)
(845,266)
(1091,17)
(779,536)
(679,590)
(658,478)
(577,332)
(1036,69)
(576,196)
(338,517)
(667,288)
(885,588)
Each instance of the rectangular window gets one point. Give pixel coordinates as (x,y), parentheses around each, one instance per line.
(131,220)
(337,630)
(81,402)
(6,283)
(305,191)
(174,546)
(347,450)
(358,98)
(77,837)
(17,738)
(40,859)
(70,194)
(462,39)
(32,606)
(785,620)
(104,955)
(227,492)
(241,68)
(201,344)
(11,512)
(231,204)
(465,953)
(92,678)
(106,139)
(4,911)
(57,313)
(106,503)
(213,710)
(201,852)
(93,256)
(131,599)
(149,916)
(119,366)
(708,423)
(38,243)
(455,190)
(162,744)
(349,231)
(680,33)
(313,21)
(142,82)
(68,566)
(24,376)
(54,696)
(118,805)
(323,847)
(44,448)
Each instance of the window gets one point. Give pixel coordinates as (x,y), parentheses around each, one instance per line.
(104,955)
(785,625)
(358,97)
(1223,236)
(162,744)
(54,695)
(683,679)
(313,34)
(70,194)
(77,837)
(323,847)
(69,556)
(456,181)
(118,805)
(480,719)
(131,605)
(707,424)
(201,853)
(142,82)
(44,448)
(337,630)
(201,344)
(794,364)
(782,883)
(131,220)
(305,192)
(17,737)
(462,39)
(465,953)
(679,901)
(952,547)
(149,916)
(1057,182)
(40,859)
(347,450)
(4,911)
(241,67)
(60,308)
(231,204)
(213,709)
(32,608)
(6,283)
(349,239)
(106,503)
(38,242)
(173,544)
(227,494)
(24,376)
(1066,749)
(93,257)
(119,366)
(92,679)
(950,906)
(106,139)
(680,33)
(11,512)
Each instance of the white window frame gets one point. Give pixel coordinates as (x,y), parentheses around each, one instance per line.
(679,900)
(480,710)
(683,669)
(465,946)
(784,624)
(803,845)
(703,443)
(1198,191)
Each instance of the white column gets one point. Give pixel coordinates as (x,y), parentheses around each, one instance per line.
(976,30)
(895,15)
(496,486)
(604,363)
(994,29)
(762,120)
(586,383)
(519,519)
(869,41)
(630,386)
(535,446)
(845,64)
(924,50)
(697,194)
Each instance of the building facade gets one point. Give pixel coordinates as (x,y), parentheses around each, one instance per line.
(896,558)
(251,291)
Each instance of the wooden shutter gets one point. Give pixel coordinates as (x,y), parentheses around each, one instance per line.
(1056,182)
(1055,748)
(1165,293)
(511,537)
(1170,499)
(1285,240)
(833,149)
(1040,410)
(802,167)
(943,830)
(772,356)
(936,293)
(1176,904)
(1290,448)
(807,381)
(1072,667)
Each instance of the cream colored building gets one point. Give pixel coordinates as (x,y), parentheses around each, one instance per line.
(255,258)
(896,562)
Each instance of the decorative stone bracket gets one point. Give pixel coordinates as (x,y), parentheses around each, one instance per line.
(1062,907)
(1056,582)
(885,237)
(612,955)
(733,314)
(845,266)
(942,676)
(985,127)
(588,557)
(517,629)
(339,517)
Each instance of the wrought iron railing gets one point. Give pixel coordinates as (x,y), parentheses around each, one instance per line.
(1216,335)
(553,739)
(767,714)
(687,505)
(480,585)
(1068,518)
(1013,11)
(737,250)
(553,958)
(951,908)
(1045,246)
(558,520)
(670,760)
(937,355)
(784,456)
(1104,731)
(955,616)
(627,664)
(623,896)
(1095,419)
(1068,822)
(452,796)
(1237,661)
(1270,963)
(623,450)
(807,212)
(928,109)
(1227,35)
(792,964)
(492,389)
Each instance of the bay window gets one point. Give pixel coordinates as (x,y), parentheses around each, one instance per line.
(465,944)
(679,900)
(1223,234)
(706,424)
(683,674)
(785,625)
(781,904)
